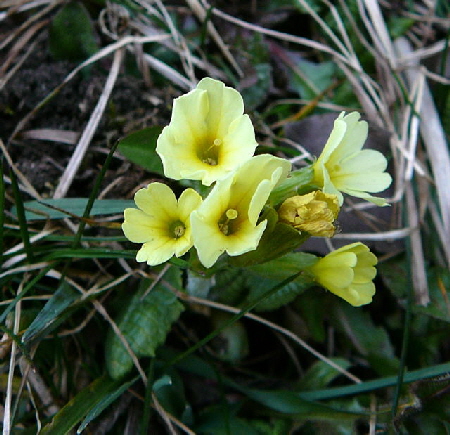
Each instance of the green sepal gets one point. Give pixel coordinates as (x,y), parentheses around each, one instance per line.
(299,182)
(278,239)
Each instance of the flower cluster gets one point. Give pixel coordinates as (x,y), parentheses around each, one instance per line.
(211,140)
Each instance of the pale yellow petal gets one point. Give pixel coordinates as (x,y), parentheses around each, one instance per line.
(156,251)
(225,105)
(209,241)
(353,140)
(188,201)
(138,227)
(158,201)
(239,142)
(247,239)
(188,117)
(334,139)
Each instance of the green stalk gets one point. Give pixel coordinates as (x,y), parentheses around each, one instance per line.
(2,210)
(93,195)
(21,217)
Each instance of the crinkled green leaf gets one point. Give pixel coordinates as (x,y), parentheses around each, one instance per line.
(71,34)
(140,148)
(36,210)
(145,323)
(230,286)
(262,277)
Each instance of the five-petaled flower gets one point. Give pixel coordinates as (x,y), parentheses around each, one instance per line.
(348,272)
(344,167)
(161,223)
(313,213)
(208,135)
(227,220)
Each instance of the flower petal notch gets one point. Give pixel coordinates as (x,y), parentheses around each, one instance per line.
(348,273)
(313,213)
(344,167)
(227,220)
(208,135)
(162,223)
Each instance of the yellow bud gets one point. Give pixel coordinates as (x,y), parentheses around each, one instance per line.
(313,213)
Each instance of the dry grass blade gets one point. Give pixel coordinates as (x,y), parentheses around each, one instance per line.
(12,364)
(60,136)
(418,270)
(200,11)
(27,186)
(88,133)
(434,139)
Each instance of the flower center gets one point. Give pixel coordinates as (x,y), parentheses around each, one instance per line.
(226,220)
(177,229)
(210,154)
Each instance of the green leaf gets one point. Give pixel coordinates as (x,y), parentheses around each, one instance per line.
(364,387)
(103,403)
(71,33)
(90,253)
(77,408)
(290,402)
(262,277)
(395,273)
(36,210)
(371,340)
(230,286)
(232,343)
(53,312)
(140,148)
(222,420)
(320,374)
(144,323)
(316,77)
(169,390)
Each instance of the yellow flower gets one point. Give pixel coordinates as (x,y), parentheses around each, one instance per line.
(314,213)
(227,220)
(343,167)
(208,135)
(348,272)
(162,223)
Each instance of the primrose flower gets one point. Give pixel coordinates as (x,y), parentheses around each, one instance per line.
(227,220)
(348,272)
(313,213)
(161,223)
(344,167)
(208,135)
